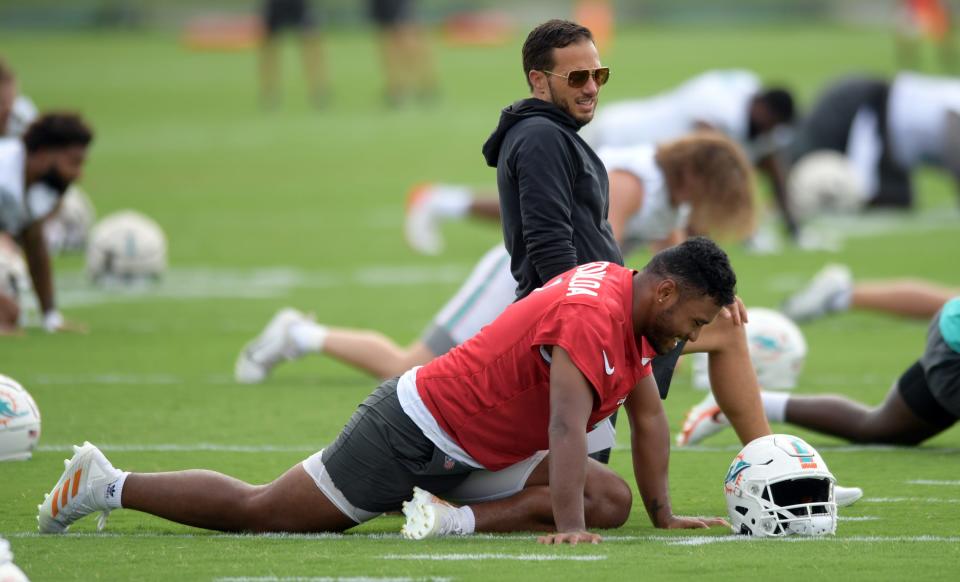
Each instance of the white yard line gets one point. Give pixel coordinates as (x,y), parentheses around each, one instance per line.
(929,500)
(932,482)
(496,556)
(326,579)
(679,540)
(858,518)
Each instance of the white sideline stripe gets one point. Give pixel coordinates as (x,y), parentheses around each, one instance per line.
(908,500)
(931,482)
(189,448)
(324,579)
(527,538)
(516,557)
(858,518)
(216,447)
(705,540)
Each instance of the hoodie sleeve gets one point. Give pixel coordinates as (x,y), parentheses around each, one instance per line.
(546,169)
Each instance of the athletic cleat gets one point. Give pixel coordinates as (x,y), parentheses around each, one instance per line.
(421,226)
(846,496)
(80,491)
(268,349)
(429,516)
(703,420)
(822,295)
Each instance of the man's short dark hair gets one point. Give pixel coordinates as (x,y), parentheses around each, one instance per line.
(552,34)
(780,102)
(57,131)
(699,267)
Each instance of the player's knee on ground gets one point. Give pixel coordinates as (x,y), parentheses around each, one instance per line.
(607,498)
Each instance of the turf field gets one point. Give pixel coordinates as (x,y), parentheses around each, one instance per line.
(303,207)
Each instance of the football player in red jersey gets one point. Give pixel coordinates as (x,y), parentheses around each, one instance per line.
(549,368)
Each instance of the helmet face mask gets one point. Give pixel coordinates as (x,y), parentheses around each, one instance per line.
(779,486)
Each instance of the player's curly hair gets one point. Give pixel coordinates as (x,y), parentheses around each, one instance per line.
(699,267)
(538,48)
(56,131)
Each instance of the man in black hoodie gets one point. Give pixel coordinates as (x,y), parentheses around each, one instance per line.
(553,187)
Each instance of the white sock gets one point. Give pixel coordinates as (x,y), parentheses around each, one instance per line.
(467,521)
(775,405)
(451,201)
(113,492)
(308,336)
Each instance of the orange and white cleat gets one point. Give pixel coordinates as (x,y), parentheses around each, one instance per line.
(81,490)
(703,420)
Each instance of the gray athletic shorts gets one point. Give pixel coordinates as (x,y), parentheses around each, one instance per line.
(380,455)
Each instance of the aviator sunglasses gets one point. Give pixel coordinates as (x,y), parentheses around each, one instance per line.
(579,78)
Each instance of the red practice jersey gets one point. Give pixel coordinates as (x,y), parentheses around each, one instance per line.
(492,393)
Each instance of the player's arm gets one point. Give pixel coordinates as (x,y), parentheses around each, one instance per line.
(626,199)
(650,445)
(41,274)
(732,379)
(772,168)
(545,170)
(571,402)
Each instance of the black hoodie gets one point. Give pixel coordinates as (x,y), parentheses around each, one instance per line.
(553,194)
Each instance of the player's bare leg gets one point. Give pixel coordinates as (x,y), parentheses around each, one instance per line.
(912,298)
(607,500)
(373,352)
(210,500)
(892,422)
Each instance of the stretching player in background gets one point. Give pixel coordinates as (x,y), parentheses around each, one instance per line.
(17,111)
(35,172)
(887,129)
(731,102)
(833,290)
(552,365)
(922,403)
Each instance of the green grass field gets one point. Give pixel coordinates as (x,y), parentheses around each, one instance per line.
(302,207)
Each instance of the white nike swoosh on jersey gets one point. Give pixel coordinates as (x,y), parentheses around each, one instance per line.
(645,361)
(606,364)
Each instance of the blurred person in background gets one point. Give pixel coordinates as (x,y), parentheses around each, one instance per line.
(35,172)
(280,16)
(733,102)
(408,65)
(16,109)
(925,21)
(887,129)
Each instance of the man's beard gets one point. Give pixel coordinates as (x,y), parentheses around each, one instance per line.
(659,336)
(55,180)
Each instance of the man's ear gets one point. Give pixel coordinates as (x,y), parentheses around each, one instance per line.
(538,79)
(667,292)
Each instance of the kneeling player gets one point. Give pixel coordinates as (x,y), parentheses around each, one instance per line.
(551,365)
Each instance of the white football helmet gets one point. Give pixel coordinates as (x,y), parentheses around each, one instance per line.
(778,486)
(125,247)
(778,351)
(14,277)
(19,421)
(824,182)
(67,229)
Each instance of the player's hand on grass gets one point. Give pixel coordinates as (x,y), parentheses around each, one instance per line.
(736,311)
(573,538)
(54,322)
(682,522)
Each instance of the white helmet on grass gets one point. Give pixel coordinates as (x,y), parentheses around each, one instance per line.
(779,486)
(778,351)
(126,247)
(19,421)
